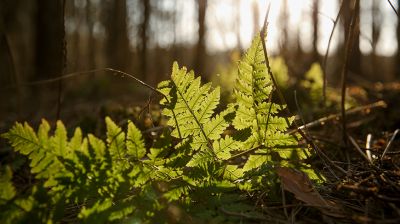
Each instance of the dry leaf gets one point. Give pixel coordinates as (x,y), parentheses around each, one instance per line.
(300,185)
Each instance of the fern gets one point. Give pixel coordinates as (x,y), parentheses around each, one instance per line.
(256,111)
(206,165)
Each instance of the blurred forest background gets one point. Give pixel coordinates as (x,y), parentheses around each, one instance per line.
(46,39)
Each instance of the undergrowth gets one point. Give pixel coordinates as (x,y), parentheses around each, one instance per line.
(210,164)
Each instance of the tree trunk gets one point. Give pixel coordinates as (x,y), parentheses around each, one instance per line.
(315,30)
(144,30)
(397,63)
(201,48)
(376,32)
(50,39)
(355,58)
(91,40)
(256,18)
(117,45)
(237,26)
(284,20)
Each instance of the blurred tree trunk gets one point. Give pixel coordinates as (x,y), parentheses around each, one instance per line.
(201,48)
(376,32)
(91,41)
(7,69)
(348,9)
(397,63)
(117,45)
(256,18)
(284,20)
(315,30)
(174,28)
(237,25)
(49,39)
(144,30)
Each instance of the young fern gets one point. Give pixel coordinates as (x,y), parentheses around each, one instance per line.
(256,111)
(199,166)
(194,105)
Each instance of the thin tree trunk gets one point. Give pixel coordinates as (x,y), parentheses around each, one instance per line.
(50,39)
(144,29)
(256,18)
(355,57)
(91,41)
(237,25)
(376,31)
(117,41)
(397,63)
(315,30)
(284,20)
(201,48)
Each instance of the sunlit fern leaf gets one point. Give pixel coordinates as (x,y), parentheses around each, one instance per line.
(75,142)
(98,146)
(40,150)
(7,190)
(225,146)
(201,158)
(190,107)
(115,139)
(134,142)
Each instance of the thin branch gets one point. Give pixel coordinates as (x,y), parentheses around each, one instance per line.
(322,120)
(359,149)
(390,143)
(327,53)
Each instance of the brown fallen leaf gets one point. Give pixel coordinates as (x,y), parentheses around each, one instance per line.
(300,185)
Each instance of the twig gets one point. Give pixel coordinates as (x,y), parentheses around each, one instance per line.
(349,44)
(390,143)
(368,147)
(324,86)
(359,149)
(322,120)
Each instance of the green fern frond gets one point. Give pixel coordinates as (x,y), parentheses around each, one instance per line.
(190,107)
(134,142)
(115,139)
(7,190)
(255,111)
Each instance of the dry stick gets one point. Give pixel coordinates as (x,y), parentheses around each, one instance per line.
(301,117)
(359,149)
(349,44)
(322,120)
(390,143)
(327,53)
(368,147)
(282,99)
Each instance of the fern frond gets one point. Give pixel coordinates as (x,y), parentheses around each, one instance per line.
(255,111)
(193,105)
(7,190)
(134,142)
(115,139)
(40,149)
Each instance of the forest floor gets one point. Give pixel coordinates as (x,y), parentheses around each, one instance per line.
(362,173)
